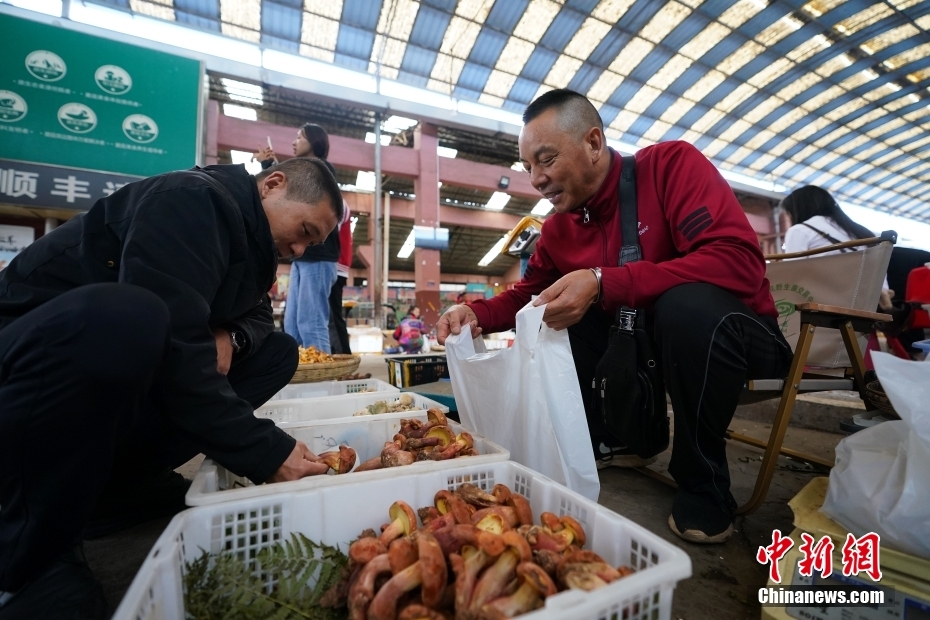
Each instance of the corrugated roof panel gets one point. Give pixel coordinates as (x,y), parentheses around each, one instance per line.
(418,61)
(473,76)
(209,9)
(361,13)
(562,29)
(242,19)
(488,47)
(889,38)
(505,15)
(281,21)
(585,77)
(354,45)
(867,17)
(429,28)
(197,21)
(162,9)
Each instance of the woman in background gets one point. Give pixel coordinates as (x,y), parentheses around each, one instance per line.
(409,334)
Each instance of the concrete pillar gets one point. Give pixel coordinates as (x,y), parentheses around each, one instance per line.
(51,224)
(426,188)
(211,135)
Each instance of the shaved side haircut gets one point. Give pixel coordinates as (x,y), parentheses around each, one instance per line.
(309,180)
(576,114)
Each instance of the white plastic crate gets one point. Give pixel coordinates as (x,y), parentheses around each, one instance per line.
(337,514)
(214,484)
(327,408)
(322,389)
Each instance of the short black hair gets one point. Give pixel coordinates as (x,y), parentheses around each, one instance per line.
(564,100)
(309,180)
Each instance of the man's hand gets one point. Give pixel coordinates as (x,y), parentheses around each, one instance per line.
(452,321)
(569,298)
(224,350)
(299,464)
(265,154)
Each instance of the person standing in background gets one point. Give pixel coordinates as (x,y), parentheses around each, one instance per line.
(338,334)
(307,311)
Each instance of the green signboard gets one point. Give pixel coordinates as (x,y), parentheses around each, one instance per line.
(76,100)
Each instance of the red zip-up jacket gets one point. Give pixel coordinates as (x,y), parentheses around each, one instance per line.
(691,229)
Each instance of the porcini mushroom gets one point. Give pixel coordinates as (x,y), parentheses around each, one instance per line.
(535,586)
(341,461)
(522,506)
(371,464)
(474,495)
(433,571)
(495,578)
(508,514)
(403,521)
(401,554)
(364,550)
(363,589)
(384,605)
(416,611)
(393,456)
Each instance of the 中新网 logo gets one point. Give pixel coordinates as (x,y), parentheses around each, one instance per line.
(12,107)
(112,79)
(77,117)
(140,128)
(46,66)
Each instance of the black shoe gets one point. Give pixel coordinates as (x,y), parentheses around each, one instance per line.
(127,502)
(698,518)
(619,456)
(66,591)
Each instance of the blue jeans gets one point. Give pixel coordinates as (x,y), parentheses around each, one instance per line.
(306,314)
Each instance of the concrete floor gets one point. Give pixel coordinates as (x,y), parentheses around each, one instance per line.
(725,577)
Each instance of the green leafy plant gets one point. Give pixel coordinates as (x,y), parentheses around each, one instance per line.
(285,581)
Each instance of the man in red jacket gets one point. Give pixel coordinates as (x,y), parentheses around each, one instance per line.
(702,277)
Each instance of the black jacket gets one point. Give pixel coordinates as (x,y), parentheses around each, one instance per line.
(198,239)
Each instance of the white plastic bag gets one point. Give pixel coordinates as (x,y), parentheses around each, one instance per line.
(881,480)
(526,398)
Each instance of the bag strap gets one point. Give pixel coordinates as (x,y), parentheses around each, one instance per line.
(829,238)
(630,250)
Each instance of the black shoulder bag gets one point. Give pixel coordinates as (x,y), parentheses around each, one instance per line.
(628,379)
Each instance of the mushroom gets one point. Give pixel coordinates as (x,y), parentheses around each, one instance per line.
(443,434)
(535,586)
(393,456)
(425,442)
(401,554)
(522,506)
(459,509)
(454,537)
(407,426)
(468,452)
(340,462)
(400,440)
(364,550)
(494,580)
(585,570)
(469,563)
(405,400)
(435,415)
(370,464)
(403,521)
(473,495)
(362,589)
(491,522)
(508,514)
(440,522)
(427,513)
(551,521)
(549,561)
(501,493)
(441,501)
(416,611)
(433,571)
(384,605)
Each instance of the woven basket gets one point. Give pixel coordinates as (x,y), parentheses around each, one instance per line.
(877,396)
(327,371)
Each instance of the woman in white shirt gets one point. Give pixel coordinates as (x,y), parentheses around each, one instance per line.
(817,221)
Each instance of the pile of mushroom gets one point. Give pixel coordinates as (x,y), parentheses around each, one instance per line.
(476,556)
(405,402)
(432,440)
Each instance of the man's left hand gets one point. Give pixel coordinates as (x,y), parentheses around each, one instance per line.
(224,350)
(569,298)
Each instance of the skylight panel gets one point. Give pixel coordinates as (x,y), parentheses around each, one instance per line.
(845,109)
(327,8)
(587,38)
(242,19)
(611,11)
(904,135)
(605,86)
(918,76)
(735,130)
(674,112)
(909,56)
(624,120)
(319,32)
(778,30)
(851,144)
(916,144)
(536,20)
(711,150)
(798,86)
(821,7)
(670,72)
(865,18)
(805,50)
(833,65)
(761,162)
(740,58)
(817,101)
(657,131)
(563,71)
(394,26)
(664,21)
(834,135)
(643,99)
(770,73)
(882,91)
(789,119)
(889,38)
(499,83)
(740,13)
(162,9)
(707,121)
(917,114)
(866,118)
(514,56)
(811,128)
(756,142)
(740,94)
(700,89)
(858,79)
(491,100)
(705,40)
(739,155)
(631,55)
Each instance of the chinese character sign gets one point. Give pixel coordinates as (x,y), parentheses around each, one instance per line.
(77,100)
(859,555)
(47,186)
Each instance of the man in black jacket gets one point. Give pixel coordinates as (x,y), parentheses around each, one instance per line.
(136,336)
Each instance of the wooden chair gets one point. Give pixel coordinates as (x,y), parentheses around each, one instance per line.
(834,371)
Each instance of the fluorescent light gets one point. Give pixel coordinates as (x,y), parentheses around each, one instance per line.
(365,181)
(243,91)
(237,111)
(493,253)
(385,138)
(445,151)
(494,114)
(353,222)
(543,207)
(168,33)
(417,95)
(396,124)
(300,66)
(407,248)
(49,7)
(518,166)
(497,201)
(243,157)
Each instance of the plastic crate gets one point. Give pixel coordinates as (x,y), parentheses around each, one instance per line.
(213,483)
(332,388)
(336,514)
(332,407)
(908,575)
(409,370)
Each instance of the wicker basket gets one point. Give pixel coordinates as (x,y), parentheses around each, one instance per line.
(326,371)
(877,396)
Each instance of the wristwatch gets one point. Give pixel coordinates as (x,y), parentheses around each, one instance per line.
(237,339)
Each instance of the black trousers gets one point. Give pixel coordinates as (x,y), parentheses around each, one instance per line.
(74,378)
(338,334)
(710,343)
